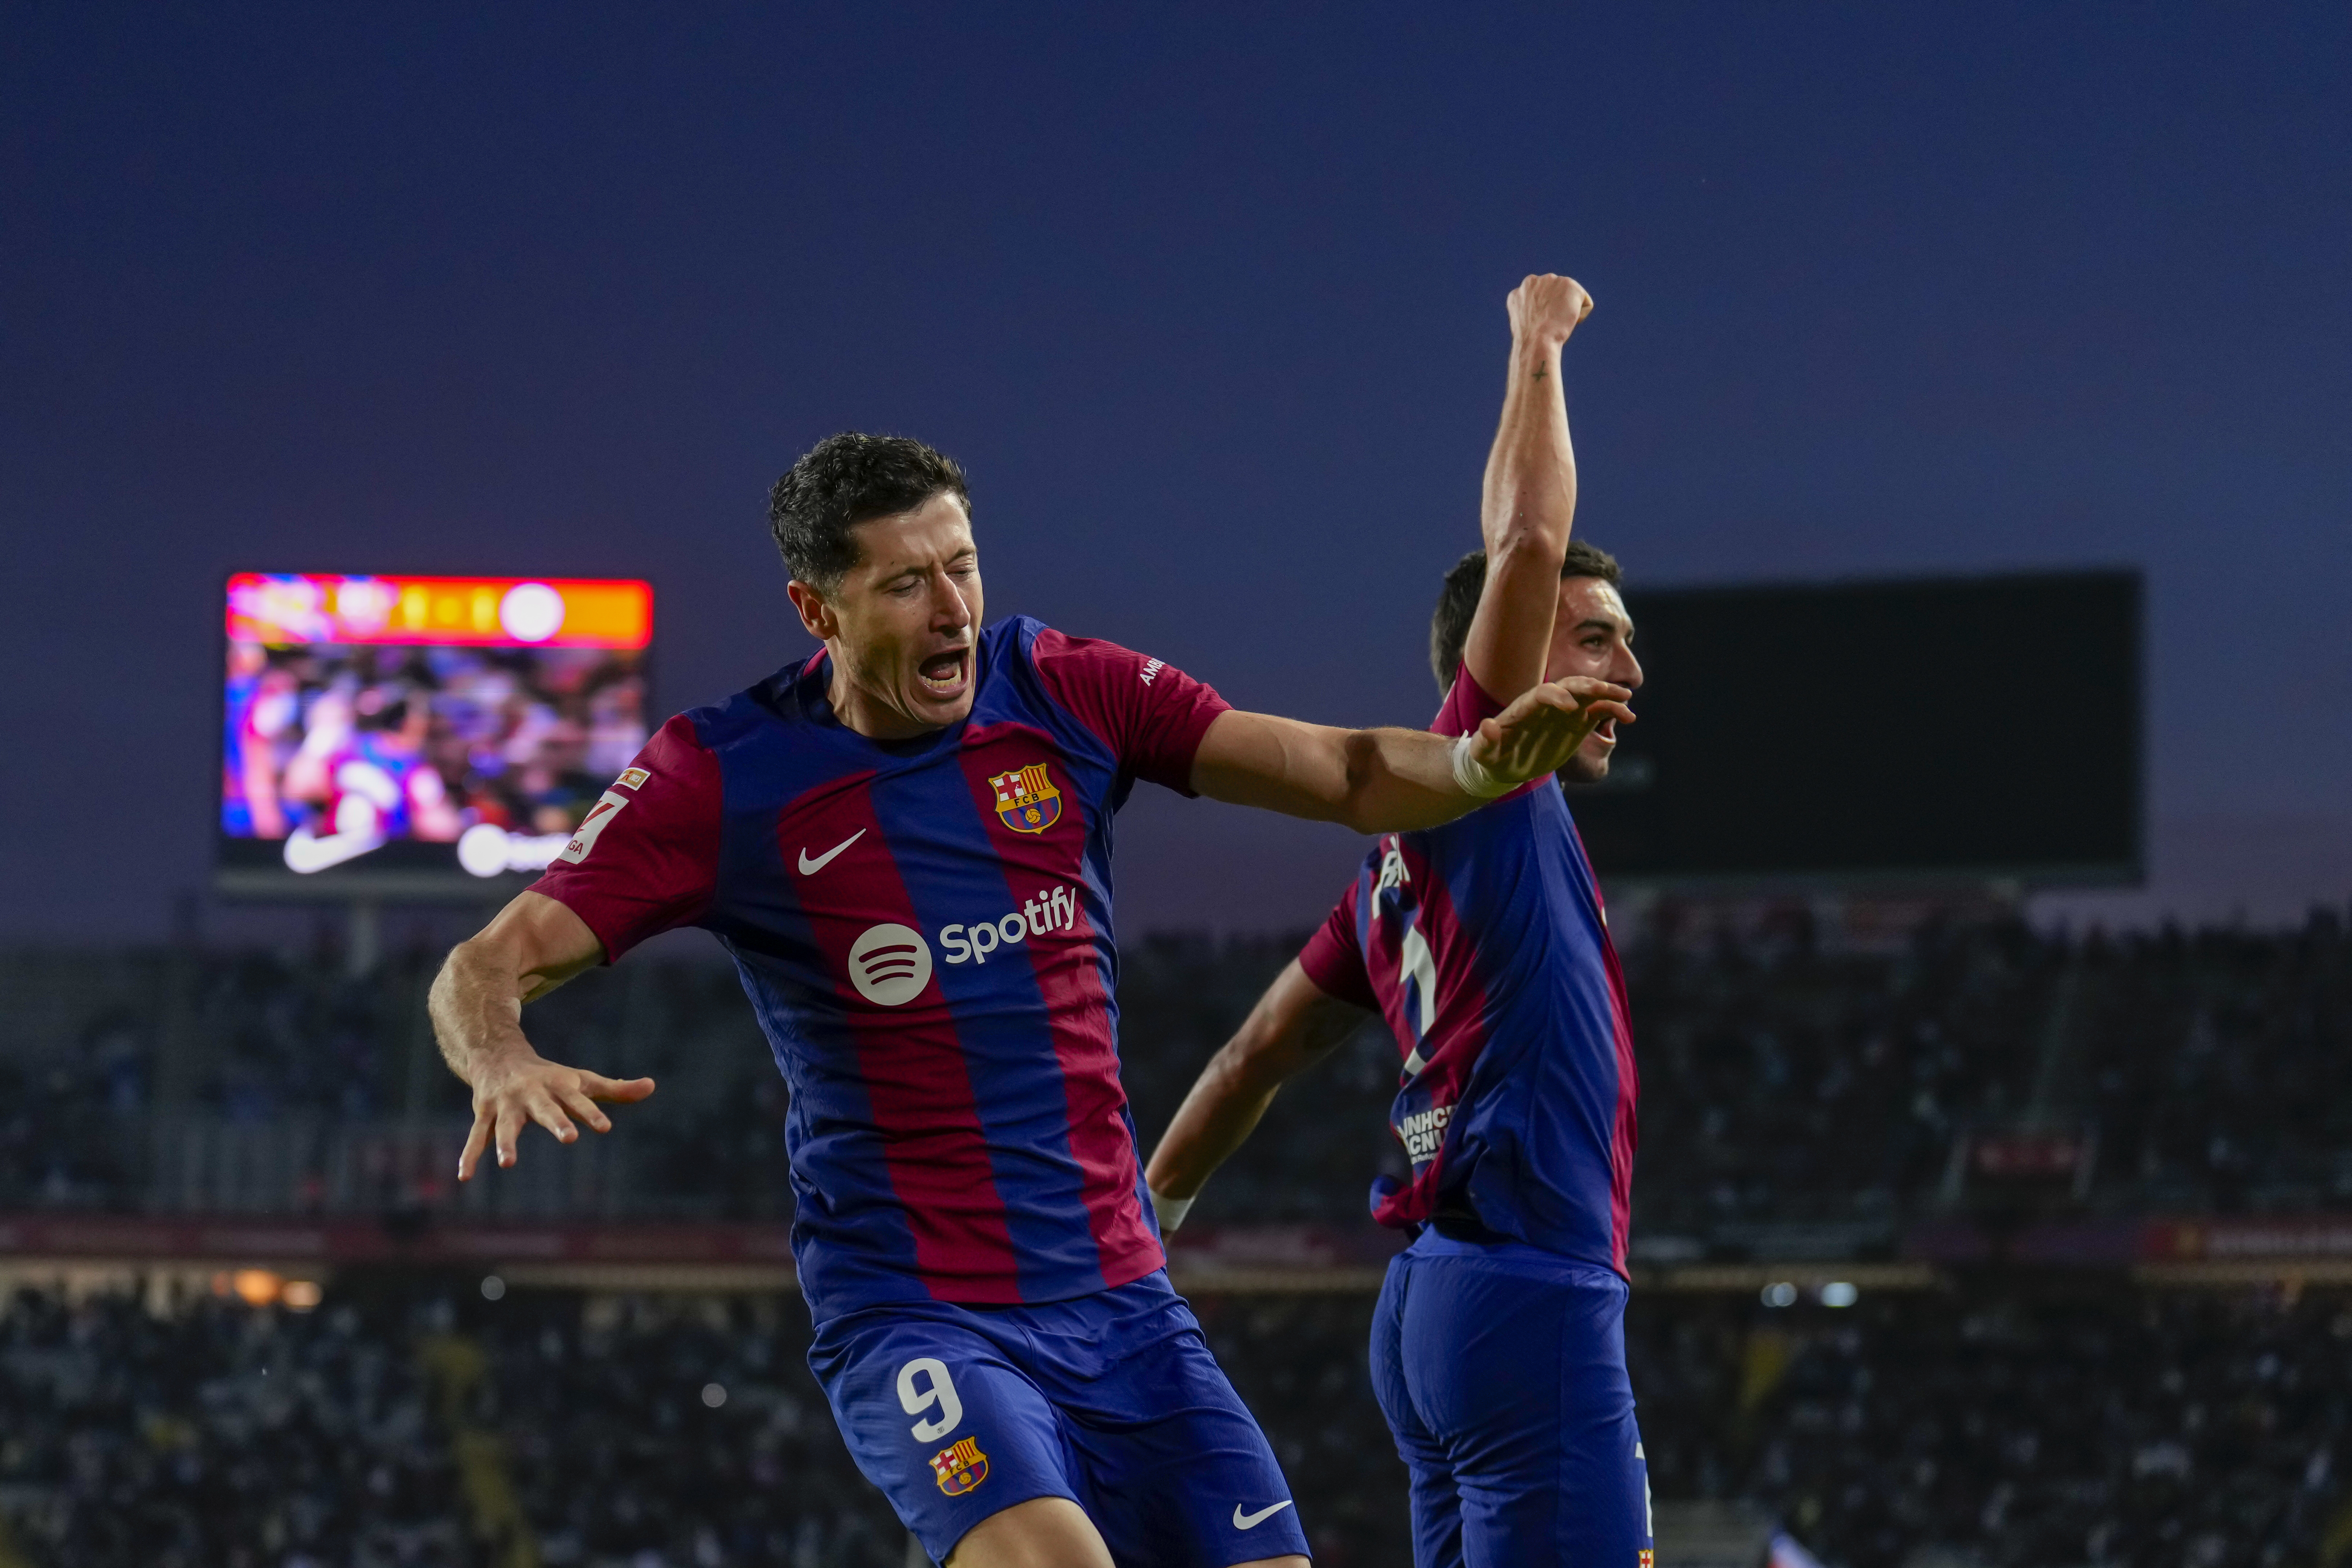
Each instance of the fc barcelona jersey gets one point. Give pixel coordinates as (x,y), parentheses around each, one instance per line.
(924,929)
(1486,946)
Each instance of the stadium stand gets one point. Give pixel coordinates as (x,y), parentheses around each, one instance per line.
(2005,1424)
(2149,1363)
(1787,1080)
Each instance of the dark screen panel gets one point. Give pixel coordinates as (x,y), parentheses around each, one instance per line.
(1977,727)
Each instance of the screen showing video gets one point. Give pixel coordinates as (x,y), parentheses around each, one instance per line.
(423,725)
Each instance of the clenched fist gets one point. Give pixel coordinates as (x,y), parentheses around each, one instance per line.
(1547,308)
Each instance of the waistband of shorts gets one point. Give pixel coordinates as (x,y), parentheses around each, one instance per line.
(1517,1254)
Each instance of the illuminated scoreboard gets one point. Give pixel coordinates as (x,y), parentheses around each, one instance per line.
(421,736)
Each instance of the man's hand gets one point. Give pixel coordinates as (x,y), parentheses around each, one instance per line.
(533,945)
(1541,730)
(524,1087)
(1546,308)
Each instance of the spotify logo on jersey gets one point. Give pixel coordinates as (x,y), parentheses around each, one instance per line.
(890,964)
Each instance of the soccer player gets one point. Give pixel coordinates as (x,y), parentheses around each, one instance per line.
(904,841)
(1499,1344)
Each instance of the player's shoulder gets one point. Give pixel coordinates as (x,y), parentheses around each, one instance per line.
(1013,638)
(1032,642)
(1042,658)
(781,701)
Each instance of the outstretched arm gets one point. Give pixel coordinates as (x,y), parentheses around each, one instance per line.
(1294,1026)
(1529,500)
(1393,781)
(533,945)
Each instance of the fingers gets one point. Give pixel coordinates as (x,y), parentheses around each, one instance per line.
(509,1128)
(1547,299)
(577,1102)
(1592,686)
(541,1103)
(628,1090)
(476,1139)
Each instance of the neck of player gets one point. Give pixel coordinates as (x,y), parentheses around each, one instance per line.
(871,709)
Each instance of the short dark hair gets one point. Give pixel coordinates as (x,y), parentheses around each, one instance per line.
(1449,626)
(847,480)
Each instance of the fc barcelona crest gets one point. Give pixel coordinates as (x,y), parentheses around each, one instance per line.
(1026,800)
(960,1468)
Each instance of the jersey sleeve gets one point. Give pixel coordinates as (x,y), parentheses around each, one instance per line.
(1466,707)
(645,859)
(1333,958)
(1152,714)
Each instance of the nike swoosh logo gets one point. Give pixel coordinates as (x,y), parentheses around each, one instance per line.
(305,852)
(810,868)
(1252,1521)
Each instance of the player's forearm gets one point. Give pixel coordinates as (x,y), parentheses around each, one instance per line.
(1528,499)
(1217,1117)
(1294,1024)
(1401,780)
(1373,781)
(475,1004)
(1397,781)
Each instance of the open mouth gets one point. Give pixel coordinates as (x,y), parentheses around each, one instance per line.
(945,674)
(1606,731)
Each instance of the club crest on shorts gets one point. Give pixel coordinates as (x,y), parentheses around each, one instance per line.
(1026,800)
(960,1466)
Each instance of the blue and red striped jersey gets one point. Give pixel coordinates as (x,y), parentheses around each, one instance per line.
(1486,946)
(924,929)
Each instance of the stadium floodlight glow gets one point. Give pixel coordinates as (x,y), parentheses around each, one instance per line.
(493,1288)
(714,1395)
(1840,1293)
(390,736)
(255,1287)
(1779,1293)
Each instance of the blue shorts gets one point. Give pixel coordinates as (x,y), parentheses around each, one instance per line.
(1110,1400)
(1501,1372)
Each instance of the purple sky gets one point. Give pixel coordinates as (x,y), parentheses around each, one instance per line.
(1209,306)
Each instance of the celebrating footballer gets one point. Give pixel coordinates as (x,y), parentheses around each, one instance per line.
(903,840)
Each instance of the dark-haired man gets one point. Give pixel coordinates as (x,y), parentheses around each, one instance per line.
(1498,1347)
(904,841)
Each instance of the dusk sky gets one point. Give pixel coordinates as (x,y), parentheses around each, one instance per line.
(1210,305)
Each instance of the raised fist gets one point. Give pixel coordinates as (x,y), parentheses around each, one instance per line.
(1546,309)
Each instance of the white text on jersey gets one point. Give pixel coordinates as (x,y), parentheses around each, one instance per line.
(1049,911)
(1424,1130)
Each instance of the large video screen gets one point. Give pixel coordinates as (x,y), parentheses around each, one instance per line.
(1977,729)
(421,735)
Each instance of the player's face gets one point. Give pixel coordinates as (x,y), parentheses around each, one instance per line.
(1592,634)
(904,624)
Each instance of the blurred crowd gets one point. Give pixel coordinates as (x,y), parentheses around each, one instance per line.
(1784,1077)
(423,742)
(404,1424)
(2014,1425)
(409,1423)
(214,1436)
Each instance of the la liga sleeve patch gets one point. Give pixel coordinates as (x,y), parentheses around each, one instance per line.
(645,857)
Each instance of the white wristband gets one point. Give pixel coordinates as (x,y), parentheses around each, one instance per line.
(1169,1211)
(1473,775)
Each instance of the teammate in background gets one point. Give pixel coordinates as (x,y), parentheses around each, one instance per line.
(1498,1347)
(904,842)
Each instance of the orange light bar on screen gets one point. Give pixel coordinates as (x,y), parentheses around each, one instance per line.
(298,609)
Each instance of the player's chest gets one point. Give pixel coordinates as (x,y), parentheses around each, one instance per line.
(1007,812)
